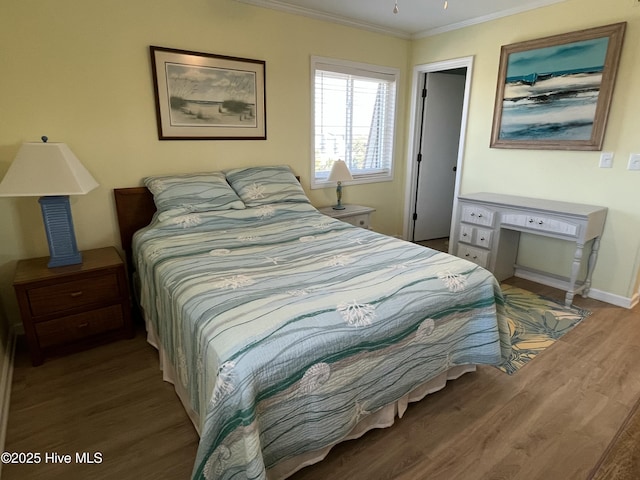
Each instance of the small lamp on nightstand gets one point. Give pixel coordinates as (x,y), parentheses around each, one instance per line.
(339,173)
(52,172)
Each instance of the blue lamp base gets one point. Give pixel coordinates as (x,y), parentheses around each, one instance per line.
(56,214)
(339,206)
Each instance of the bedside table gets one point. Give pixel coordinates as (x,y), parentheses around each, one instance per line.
(354,214)
(70,308)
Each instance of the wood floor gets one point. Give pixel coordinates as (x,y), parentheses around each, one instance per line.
(552,420)
(441,244)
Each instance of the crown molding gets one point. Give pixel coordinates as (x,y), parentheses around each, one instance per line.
(327,17)
(350,22)
(485,18)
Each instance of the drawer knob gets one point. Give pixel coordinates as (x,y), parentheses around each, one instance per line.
(464,234)
(76,294)
(475,257)
(540,222)
(83,325)
(361,222)
(467,255)
(482,239)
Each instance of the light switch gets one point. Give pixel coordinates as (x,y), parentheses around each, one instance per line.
(634,161)
(606,160)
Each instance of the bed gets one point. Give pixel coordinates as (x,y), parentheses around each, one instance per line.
(285,331)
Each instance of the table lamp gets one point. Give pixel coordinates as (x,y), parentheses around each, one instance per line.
(52,172)
(339,173)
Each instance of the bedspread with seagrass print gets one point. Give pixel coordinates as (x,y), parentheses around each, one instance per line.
(286,327)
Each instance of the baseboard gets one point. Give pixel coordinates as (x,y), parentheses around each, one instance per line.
(617,300)
(561,284)
(6,375)
(635,299)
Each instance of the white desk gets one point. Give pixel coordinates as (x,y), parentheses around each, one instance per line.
(488,225)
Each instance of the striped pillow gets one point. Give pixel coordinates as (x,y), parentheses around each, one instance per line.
(263,185)
(193,192)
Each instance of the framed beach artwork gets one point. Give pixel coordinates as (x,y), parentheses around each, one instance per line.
(202,96)
(554,93)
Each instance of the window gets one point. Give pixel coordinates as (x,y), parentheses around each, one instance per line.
(353,110)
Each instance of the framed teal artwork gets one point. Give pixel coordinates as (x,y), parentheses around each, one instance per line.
(554,93)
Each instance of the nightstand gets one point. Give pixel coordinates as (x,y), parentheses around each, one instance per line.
(354,214)
(70,308)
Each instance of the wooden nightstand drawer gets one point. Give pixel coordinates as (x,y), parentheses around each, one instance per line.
(65,309)
(63,296)
(77,327)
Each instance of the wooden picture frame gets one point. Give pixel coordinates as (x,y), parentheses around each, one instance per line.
(203,96)
(554,93)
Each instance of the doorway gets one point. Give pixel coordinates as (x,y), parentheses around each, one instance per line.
(440,97)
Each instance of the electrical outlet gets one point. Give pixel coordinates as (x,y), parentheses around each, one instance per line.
(606,160)
(634,161)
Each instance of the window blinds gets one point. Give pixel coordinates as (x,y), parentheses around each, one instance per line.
(354,110)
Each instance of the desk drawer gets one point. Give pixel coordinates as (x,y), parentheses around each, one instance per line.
(475,255)
(483,237)
(541,223)
(475,236)
(477,215)
(73,294)
(552,225)
(466,233)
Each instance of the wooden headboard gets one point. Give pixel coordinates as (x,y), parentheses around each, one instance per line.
(135,209)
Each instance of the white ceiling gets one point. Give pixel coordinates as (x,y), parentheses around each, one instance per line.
(415,18)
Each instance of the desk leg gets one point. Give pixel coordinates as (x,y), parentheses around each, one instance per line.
(591,265)
(575,269)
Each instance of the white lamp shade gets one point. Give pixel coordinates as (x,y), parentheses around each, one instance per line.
(46,169)
(340,172)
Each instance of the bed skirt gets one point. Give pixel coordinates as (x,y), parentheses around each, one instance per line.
(382,418)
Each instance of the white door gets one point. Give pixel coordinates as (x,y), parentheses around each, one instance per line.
(439,147)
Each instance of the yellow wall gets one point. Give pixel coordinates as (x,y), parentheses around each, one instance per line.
(570,176)
(79,72)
